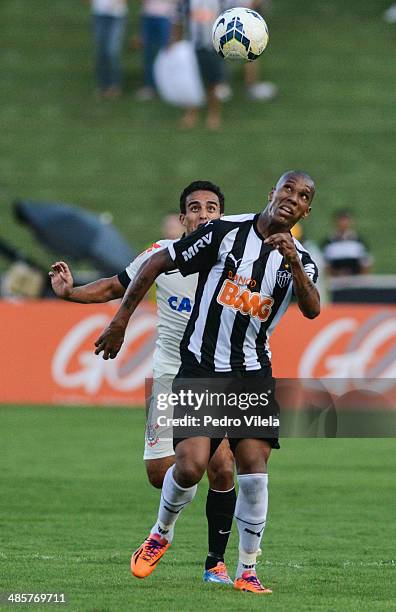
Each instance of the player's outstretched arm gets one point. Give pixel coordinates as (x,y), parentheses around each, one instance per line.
(102,290)
(112,338)
(307,295)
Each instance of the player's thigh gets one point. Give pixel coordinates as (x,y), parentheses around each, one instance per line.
(221,468)
(192,458)
(252,455)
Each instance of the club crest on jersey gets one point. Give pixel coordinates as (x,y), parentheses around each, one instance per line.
(201,243)
(283,277)
(245,301)
(152,437)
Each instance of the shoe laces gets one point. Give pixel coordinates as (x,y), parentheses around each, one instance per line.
(253,580)
(220,570)
(151,549)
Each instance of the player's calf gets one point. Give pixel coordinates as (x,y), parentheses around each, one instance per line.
(220,506)
(173,499)
(192,457)
(157,468)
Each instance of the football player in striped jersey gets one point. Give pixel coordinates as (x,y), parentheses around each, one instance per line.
(249,266)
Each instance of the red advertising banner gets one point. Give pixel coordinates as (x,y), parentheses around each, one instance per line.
(48,355)
(48,350)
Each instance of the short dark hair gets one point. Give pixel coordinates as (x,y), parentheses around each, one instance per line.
(200,186)
(289,173)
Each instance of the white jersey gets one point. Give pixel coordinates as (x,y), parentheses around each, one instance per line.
(175,301)
(114,8)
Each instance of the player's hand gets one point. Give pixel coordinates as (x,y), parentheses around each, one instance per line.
(61,279)
(110,341)
(284,243)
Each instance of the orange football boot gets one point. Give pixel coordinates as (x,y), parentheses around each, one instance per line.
(249,582)
(144,560)
(217,574)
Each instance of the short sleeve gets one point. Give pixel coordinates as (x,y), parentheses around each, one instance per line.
(199,251)
(309,266)
(130,271)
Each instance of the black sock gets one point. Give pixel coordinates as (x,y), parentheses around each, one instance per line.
(220,508)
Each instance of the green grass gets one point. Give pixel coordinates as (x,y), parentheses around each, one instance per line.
(75,502)
(335,116)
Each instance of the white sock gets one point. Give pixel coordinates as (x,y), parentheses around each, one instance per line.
(250,515)
(173,499)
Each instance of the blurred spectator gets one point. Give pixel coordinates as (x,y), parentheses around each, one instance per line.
(156,26)
(109,22)
(197,16)
(258,90)
(21,280)
(255,89)
(344,251)
(171,228)
(390,14)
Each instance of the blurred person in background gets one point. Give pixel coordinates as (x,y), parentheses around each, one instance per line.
(156,27)
(390,14)
(344,251)
(171,227)
(109,24)
(197,17)
(255,89)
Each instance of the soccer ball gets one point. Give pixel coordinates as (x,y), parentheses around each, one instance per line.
(240,33)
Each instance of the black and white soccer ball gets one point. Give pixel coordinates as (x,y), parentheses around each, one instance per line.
(240,34)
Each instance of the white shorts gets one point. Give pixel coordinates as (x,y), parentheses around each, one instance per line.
(158,441)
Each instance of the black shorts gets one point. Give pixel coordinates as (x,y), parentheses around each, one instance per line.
(229,420)
(211,66)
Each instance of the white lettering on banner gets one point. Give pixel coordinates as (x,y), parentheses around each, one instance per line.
(321,343)
(366,355)
(94,370)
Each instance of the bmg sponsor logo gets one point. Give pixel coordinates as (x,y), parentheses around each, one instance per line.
(245,301)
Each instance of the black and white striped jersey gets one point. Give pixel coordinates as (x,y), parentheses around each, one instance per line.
(243,290)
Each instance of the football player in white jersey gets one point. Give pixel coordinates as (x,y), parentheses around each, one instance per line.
(200,202)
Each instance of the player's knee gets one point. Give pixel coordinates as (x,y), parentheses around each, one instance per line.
(252,456)
(221,469)
(189,473)
(221,478)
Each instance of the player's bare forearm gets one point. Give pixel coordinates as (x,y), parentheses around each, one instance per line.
(112,338)
(144,279)
(307,295)
(102,290)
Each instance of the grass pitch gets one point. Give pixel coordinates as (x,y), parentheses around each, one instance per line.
(75,502)
(335,117)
